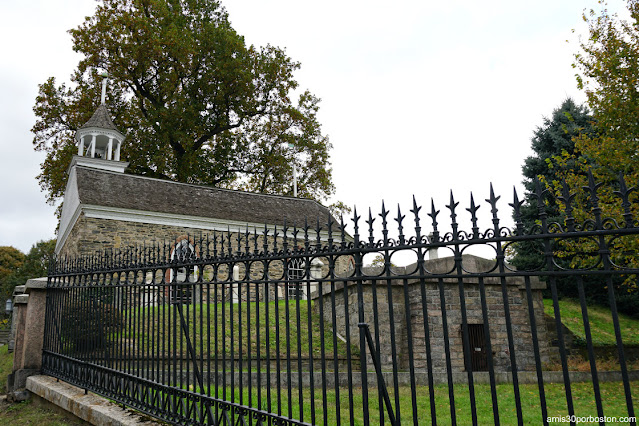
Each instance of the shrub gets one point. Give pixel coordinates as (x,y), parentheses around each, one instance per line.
(88,323)
(628,303)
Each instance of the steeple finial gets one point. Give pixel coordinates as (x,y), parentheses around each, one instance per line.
(105,76)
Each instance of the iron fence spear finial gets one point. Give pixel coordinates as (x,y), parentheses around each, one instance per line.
(453,216)
(383,215)
(306,240)
(329,225)
(492,200)
(400,228)
(473,215)
(594,198)
(539,195)
(318,230)
(433,215)
(356,226)
(516,205)
(624,193)
(415,211)
(566,197)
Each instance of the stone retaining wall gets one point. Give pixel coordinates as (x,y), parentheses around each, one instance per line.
(380,294)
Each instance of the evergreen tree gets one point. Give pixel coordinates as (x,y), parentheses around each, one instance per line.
(555,137)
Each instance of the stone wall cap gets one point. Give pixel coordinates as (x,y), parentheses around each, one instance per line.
(36,283)
(21,299)
(537,284)
(91,408)
(19,289)
(446,266)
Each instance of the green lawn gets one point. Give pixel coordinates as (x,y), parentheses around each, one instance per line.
(232,329)
(6,365)
(151,322)
(25,413)
(600,319)
(614,404)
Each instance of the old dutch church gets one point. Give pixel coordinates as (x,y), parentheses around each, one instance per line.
(107,208)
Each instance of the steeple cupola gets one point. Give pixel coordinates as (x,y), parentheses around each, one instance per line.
(98,137)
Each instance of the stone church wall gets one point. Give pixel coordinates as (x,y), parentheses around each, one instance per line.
(94,235)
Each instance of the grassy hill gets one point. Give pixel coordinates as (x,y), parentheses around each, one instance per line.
(600,319)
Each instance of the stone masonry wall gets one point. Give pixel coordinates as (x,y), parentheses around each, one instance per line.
(376,304)
(91,235)
(519,317)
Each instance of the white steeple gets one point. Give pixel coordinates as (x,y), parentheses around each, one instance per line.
(99,138)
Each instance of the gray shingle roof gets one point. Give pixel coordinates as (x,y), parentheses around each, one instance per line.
(108,189)
(101,118)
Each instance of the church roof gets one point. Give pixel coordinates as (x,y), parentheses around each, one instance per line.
(101,118)
(123,191)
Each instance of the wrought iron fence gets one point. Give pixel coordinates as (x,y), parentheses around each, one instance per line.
(292,326)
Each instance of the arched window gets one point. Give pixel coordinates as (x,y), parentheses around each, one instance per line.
(296,273)
(183,252)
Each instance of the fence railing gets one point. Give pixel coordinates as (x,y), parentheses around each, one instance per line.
(317,325)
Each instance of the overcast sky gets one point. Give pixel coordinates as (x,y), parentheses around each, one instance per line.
(418,97)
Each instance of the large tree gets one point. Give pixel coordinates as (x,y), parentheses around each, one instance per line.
(197,104)
(16,268)
(10,260)
(608,69)
(608,72)
(555,136)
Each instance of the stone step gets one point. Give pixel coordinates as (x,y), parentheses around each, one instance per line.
(5,334)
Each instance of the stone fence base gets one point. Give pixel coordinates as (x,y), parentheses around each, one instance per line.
(85,406)
(28,334)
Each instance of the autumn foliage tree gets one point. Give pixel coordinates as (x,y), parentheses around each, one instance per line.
(11,259)
(16,267)
(608,72)
(196,103)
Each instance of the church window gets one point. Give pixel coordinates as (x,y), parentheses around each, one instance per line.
(296,273)
(181,293)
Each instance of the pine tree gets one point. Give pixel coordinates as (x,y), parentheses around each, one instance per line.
(554,138)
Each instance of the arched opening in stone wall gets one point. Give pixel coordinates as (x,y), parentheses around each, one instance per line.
(182,277)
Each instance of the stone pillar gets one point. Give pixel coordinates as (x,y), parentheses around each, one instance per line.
(19,316)
(14,318)
(30,310)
